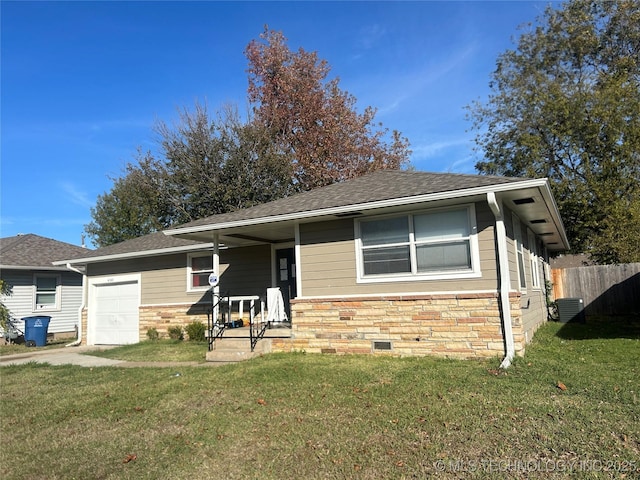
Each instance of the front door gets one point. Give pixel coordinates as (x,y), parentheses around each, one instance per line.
(286,276)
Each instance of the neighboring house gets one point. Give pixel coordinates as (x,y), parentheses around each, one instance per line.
(39,287)
(400,262)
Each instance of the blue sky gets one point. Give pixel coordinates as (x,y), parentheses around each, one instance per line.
(84,82)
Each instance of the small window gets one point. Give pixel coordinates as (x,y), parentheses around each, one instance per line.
(517,238)
(47,292)
(437,243)
(534,259)
(199,269)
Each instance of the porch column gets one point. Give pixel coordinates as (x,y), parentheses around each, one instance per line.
(216,271)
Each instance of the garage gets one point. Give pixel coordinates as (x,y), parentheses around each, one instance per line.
(114,316)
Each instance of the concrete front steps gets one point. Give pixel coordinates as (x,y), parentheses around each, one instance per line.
(235,344)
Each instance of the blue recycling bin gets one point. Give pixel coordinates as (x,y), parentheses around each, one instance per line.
(35,330)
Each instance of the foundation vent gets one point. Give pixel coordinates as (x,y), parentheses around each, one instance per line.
(381,345)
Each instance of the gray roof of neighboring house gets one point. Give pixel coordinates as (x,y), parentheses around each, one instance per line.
(31,251)
(373,187)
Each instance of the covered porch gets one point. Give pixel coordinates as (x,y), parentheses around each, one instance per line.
(240,327)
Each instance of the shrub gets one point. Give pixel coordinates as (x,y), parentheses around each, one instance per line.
(195,331)
(152,334)
(175,332)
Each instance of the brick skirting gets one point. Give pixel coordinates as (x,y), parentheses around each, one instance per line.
(461,326)
(162,317)
(457,326)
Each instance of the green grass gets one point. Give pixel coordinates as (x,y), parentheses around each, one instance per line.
(158,351)
(17,348)
(324,416)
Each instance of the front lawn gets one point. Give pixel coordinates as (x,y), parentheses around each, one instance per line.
(570,407)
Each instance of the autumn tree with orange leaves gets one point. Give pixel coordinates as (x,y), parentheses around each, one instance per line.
(302,131)
(313,121)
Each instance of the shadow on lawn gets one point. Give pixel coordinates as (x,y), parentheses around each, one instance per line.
(622,326)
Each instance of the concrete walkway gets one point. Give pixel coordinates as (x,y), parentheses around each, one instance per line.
(82,356)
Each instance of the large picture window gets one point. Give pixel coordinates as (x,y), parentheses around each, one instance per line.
(199,268)
(430,243)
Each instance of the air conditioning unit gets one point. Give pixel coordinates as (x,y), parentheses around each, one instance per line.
(570,310)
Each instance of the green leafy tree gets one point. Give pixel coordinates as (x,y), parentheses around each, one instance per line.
(205,166)
(6,290)
(566,105)
(134,206)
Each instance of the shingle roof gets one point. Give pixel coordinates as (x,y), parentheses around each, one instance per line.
(146,243)
(377,186)
(35,251)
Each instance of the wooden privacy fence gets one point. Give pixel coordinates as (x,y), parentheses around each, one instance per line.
(605,289)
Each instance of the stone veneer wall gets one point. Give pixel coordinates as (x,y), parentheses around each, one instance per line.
(461,326)
(158,317)
(161,317)
(84,326)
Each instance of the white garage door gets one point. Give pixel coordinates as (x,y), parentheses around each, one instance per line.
(115,314)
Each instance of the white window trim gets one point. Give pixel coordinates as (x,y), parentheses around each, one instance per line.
(190,271)
(534,260)
(519,249)
(58,294)
(474,272)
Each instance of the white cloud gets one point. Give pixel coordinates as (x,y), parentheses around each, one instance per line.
(370,35)
(428,150)
(76,195)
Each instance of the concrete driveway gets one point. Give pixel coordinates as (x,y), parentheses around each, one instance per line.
(61,356)
(82,356)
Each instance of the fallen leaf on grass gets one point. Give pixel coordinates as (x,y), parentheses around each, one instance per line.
(129,458)
(561,386)
(262,401)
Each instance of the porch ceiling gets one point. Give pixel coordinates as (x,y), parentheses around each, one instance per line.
(279,232)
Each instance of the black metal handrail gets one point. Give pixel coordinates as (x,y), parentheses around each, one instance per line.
(216,326)
(256,329)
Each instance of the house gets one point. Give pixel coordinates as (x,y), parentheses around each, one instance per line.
(39,287)
(394,262)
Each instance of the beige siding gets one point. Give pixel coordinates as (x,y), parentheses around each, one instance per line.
(328,262)
(244,271)
(532,300)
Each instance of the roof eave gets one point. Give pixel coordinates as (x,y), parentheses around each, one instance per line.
(304,215)
(545,190)
(32,267)
(136,254)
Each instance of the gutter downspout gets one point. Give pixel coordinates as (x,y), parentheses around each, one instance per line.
(78,341)
(505,280)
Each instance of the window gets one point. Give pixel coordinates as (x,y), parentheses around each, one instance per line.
(198,270)
(46,292)
(534,259)
(517,238)
(438,243)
